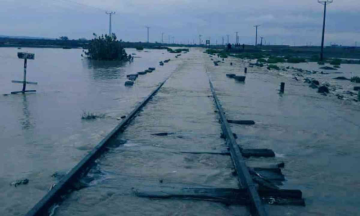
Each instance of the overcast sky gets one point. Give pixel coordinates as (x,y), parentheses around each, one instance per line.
(291,22)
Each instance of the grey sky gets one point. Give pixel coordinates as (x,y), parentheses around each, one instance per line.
(282,22)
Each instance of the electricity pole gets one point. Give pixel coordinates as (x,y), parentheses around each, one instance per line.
(110,14)
(223,40)
(237,39)
(148,32)
(228,39)
(256,37)
(325,3)
(261,40)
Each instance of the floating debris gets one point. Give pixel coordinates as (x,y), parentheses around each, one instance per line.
(129,83)
(328,68)
(341,78)
(240,78)
(162,134)
(20,182)
(323,89)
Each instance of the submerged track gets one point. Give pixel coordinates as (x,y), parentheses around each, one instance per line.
(66,184)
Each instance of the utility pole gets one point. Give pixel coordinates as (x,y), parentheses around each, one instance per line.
(262,40)
(256,37)
(148,32)
(237,38)
(325,3)
(162,37)
(228,39)
(223,40)
(110,15)
(200,40)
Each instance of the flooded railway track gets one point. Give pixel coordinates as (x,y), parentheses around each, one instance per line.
(256,186)
(56,194)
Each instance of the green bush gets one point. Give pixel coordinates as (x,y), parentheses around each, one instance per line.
(106,48)
(355,79)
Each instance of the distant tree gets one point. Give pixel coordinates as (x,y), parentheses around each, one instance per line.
(65,38)
(106,47)
(82,39)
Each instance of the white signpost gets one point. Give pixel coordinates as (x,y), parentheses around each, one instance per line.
(25,56)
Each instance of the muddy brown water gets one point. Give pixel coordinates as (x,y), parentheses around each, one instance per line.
(316,136)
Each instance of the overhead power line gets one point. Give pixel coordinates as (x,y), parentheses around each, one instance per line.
(82,5)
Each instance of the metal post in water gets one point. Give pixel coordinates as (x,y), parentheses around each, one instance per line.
(282,87)
(24,83)
(245,70)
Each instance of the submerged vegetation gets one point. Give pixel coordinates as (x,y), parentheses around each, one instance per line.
(177,50)
(106,47)
(91,116)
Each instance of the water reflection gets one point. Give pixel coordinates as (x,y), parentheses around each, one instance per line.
(104,70)
(26,121)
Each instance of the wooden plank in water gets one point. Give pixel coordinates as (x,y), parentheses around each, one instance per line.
(242,122)
(222,195)
(257,153)
(27,91)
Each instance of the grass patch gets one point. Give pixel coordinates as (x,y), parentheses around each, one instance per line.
(91,116)
(336,62)
(273,67)
(261,60)
(295,60)
(275,60)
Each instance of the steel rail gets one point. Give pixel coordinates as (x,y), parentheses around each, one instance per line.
(66,183)
(242,172)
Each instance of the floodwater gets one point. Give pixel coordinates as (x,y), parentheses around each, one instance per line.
(41,134)
(316,136)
